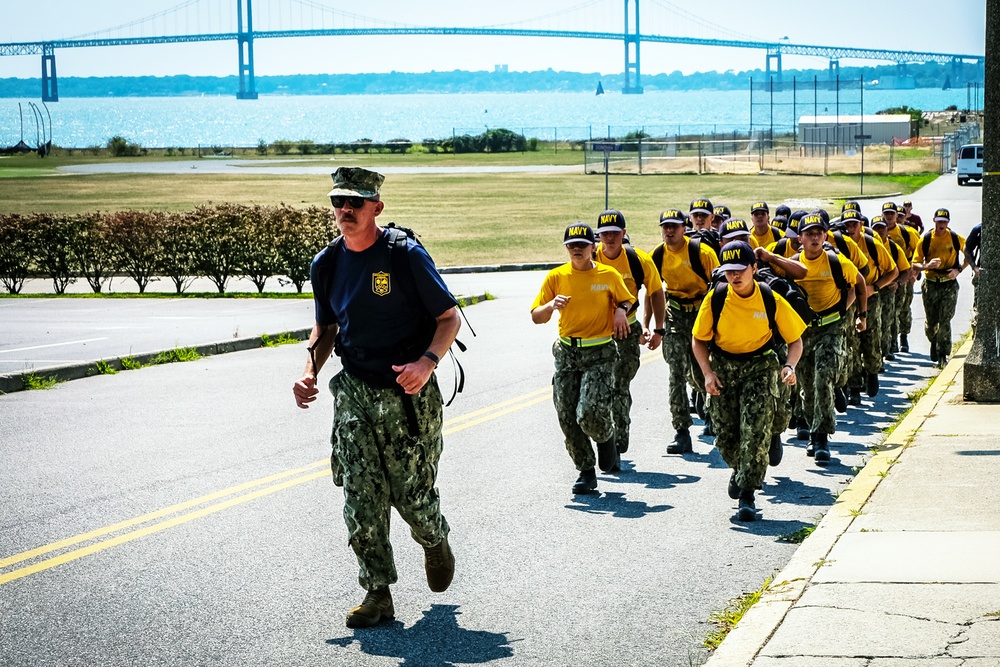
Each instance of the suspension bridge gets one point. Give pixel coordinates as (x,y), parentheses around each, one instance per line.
(237,25)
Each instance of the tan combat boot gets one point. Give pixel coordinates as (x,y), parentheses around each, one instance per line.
(376,607)
(439,563)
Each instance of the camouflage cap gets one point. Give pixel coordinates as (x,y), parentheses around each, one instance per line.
(356,182)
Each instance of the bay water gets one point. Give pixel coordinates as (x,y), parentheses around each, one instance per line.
(163,122)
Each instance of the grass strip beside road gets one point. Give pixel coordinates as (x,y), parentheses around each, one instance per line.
(181,513)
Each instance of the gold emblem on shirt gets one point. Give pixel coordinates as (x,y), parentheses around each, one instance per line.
(380,283)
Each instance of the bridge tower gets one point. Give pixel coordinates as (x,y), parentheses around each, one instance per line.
(632,52)
(774,56)
(248,89)
(50,85)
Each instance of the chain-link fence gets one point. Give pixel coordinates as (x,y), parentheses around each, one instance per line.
(750,154)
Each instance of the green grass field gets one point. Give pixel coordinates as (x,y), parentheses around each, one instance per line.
(462,218)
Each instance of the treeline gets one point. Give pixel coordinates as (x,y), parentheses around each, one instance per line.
(218,242)
(925,75)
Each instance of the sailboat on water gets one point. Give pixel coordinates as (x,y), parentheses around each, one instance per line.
(600,89)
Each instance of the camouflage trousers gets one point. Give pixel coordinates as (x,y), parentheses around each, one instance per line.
(940,299)
(385,455)
(743,414)
(871,337)
(904,308)
(823,350)
(625,370)
(890,319)
(684,369)
(783,406)
(583,387)
(851,369)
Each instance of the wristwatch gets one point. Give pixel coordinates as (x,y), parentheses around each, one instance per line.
(660,332)
(863,315)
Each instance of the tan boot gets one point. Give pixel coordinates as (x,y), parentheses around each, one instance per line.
(439,563)
(376,607)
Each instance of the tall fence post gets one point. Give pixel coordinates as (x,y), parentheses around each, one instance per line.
(699,156)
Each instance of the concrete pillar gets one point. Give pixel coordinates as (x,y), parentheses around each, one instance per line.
(982,367)
(50,84)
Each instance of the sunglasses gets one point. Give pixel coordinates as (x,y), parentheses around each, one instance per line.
(578,245)
(355,202)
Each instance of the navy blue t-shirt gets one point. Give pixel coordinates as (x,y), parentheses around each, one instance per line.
(368,302)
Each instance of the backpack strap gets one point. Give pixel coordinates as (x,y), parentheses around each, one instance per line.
(838,240)
(958,249)
(635,267)
(781,247)
(925,244)
(657,255)
(837,273)
(694,255)
(718,301)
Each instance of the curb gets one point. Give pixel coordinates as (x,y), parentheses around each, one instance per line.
(496,268)
(11,383)
(755,629)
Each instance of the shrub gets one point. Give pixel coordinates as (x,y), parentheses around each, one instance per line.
(306,147)
(178,256)
(282,147)
(217,234)
(261,147)
(16,251)
(95,254)
(257,253)
(301,233)
(55,237)
(136,237)
(120,147)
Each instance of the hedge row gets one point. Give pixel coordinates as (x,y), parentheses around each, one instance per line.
(217,242)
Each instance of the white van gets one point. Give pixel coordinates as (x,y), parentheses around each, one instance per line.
(970,163)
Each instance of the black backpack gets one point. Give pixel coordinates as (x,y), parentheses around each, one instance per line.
(694,254)
(789,291)
(926,247)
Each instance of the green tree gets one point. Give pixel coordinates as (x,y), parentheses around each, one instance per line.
(94,250)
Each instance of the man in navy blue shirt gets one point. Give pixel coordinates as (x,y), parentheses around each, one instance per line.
(384,309)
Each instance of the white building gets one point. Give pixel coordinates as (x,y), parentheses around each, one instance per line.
(844,131)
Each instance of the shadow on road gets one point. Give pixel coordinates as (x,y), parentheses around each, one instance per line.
(436,640)
(787,491)
(615,504)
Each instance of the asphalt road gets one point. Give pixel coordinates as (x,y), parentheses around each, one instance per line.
(183,515)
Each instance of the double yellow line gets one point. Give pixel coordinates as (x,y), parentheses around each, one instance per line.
(175,515)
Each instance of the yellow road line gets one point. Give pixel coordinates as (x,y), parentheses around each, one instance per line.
(471,419)
(83,537)
(155,528)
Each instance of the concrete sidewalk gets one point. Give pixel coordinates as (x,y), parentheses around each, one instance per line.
(903,569)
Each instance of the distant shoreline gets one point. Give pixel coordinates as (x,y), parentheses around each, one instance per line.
(917,76)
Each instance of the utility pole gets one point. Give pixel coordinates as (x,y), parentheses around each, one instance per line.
(982,367)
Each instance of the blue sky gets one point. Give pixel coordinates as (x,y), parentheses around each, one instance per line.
(955,26)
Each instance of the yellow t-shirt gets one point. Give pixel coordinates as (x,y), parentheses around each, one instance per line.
(942,248)
(595,294)
(880,264)
(898,254)
(680,279)
(819,286)
(907,238)
(771,235)
(858,258)
(790,250)
(743,325)
(620,263)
